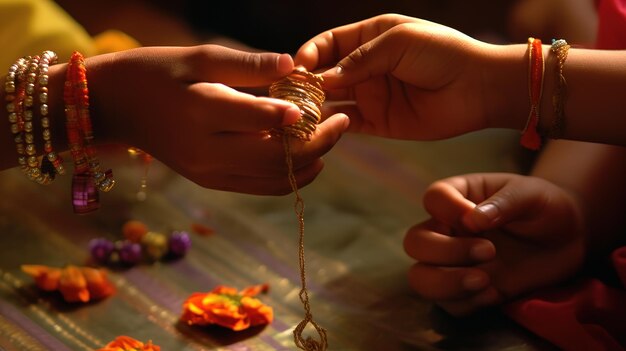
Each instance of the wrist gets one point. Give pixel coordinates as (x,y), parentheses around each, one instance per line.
(108,122)
(505,74)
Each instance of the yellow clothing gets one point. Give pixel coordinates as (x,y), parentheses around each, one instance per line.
(28,27)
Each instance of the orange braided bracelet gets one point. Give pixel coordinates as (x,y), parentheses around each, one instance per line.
(88,178)
(536,67)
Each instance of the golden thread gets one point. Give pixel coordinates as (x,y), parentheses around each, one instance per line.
(308,344)
(560,48)
(303,89)
(146,159)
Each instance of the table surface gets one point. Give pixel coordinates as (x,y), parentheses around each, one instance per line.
(356,214)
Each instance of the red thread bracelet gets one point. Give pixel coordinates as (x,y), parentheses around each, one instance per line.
(88,178)
(536,67)
(85,197)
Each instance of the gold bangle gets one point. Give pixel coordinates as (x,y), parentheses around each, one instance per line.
(560,49)
(304,89)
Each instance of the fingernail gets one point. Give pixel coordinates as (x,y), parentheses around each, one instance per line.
(346,122)
(483,251)
(284,63)
(490,211)
(335,71)
(292,115)
(474,281)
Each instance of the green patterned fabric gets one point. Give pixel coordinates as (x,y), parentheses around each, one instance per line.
(357,212)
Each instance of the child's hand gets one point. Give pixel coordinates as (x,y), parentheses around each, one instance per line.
(525,233)
(407,78)
(178,105)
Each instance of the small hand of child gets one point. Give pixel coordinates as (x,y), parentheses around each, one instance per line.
(178,104)
(493,237)
(402,77)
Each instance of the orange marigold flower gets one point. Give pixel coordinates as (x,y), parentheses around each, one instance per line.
(134,230)
(73,285)
(126,343)
(98,283)
(46,278)
(76,284)
(226,307)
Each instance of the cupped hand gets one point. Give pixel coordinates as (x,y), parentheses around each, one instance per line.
(493,237)
(181,105)
(401,77)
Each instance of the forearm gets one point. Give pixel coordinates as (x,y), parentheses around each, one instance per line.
(598,185)
(594,102)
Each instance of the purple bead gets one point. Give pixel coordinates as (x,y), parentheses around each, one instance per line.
(129,252)
(179,243)
(101,249)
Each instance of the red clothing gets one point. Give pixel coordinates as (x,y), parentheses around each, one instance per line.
(587,316)
(611,24)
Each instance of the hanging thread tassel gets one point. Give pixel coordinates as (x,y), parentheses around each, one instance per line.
(303,89)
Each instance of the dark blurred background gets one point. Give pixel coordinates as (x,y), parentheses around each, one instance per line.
(283,25)
(278,25)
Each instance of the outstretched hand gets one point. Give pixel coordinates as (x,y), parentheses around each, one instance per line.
(402,77)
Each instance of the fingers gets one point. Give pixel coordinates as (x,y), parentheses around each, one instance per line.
(500,198)
(261,156)
(327,48)
(509,198)
(426,243)
(260,166)
(377,57)
(263,185)
(446,200)
(326,135)
(441,284)
(256,163)
(227,110)
(218,64)
(446,271)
